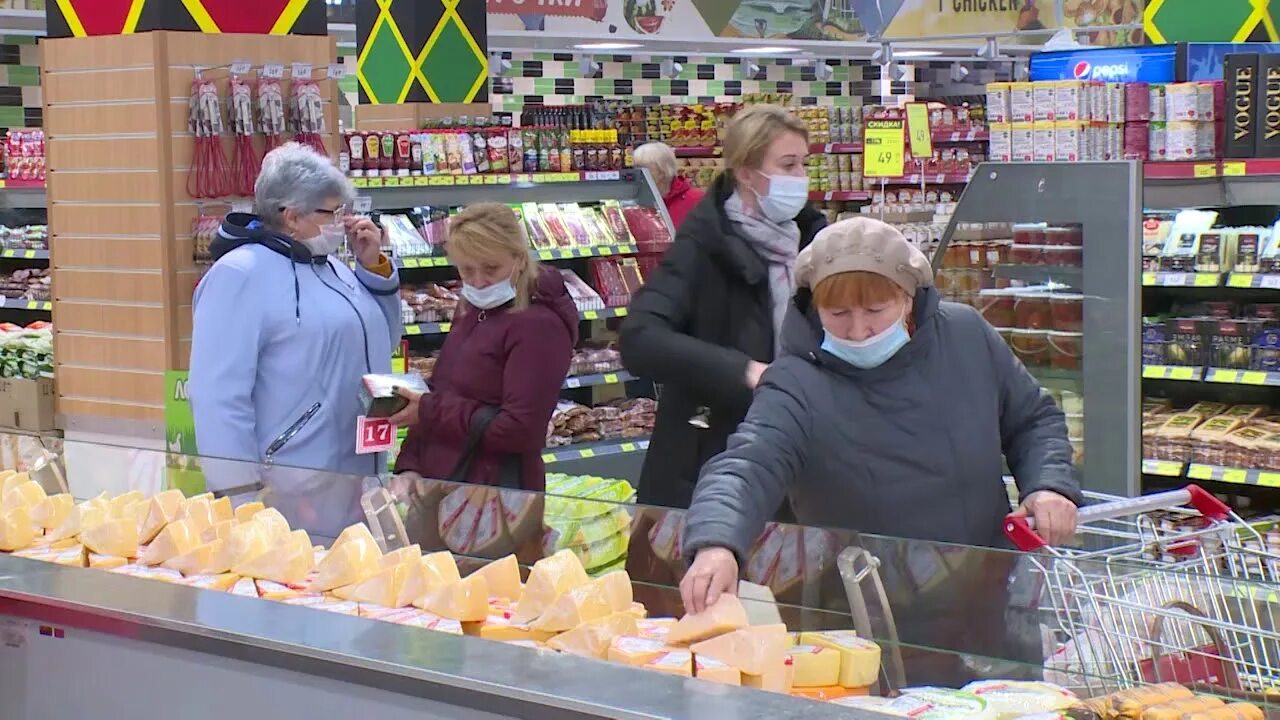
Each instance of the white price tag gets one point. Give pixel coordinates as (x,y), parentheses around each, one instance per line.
(273,70)
(611,175)
(1174,280)
(1271,282)
(301,70)
(337,71)
(374,435)
(363,204)
(240,67)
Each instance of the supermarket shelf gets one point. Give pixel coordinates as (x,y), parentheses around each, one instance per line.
(1210,183)
(836,148)
(1235,476)
(1242,377)
(32,305)
(1172,372)
(613,312)
(14,254)
(940,135)
(1072,276)
(836,195)
(1070,380)
(1163,468)
(586,451)
(709,151)
(396,193)
(23,194)
(553,254)
(613,378)
(441,328)
(928,179)
(943,135)
(1251,280)
(1177,279)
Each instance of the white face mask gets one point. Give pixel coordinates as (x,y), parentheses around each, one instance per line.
(786,197)
(328,241)
(491,296)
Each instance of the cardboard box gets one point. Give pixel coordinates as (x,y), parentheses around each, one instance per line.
(27,404)
(1269,106)
(1241,74)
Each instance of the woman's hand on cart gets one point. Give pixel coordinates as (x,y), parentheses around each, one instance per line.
(1055,516)
(714,573)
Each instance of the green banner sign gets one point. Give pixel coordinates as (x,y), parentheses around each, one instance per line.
(182,463)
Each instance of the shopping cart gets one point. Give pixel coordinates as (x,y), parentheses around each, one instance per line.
(1166,587)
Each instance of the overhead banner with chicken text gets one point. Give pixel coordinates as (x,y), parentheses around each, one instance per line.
(903,19)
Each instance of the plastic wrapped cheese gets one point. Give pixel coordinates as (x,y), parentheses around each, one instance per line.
(26,495)
(710,669)
(441,567)
(117,505)
(933,704)
(581,604)
(592,639)
(346,564)
(204,559)
(466,600)
(246,511)
(1011,699)
(616,587)
(220,531)
(635,651)
(412,553)
(816,666)
(287,563)
(500,627)
(548,580)
(778,677)
(382,588)
(247,541)
(117,537)
(655,628)
(275,523)
(85,515)
(753,650)
(175,539)
(725,616)
(223,582)
(675,662)
(221,510)
(16,529)
(161,510)
(73,555)
(358,532)
(503,578)
(53,511)
(199,514)
(859,658)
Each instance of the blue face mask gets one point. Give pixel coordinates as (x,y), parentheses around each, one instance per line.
(872,352)
(490,297)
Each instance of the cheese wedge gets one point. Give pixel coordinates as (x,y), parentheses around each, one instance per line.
(441,568)
(346,565)
(277,527)
(676,662)
(616,587)
(712,670)
(16,529)
(753,650)
(725,616)
(413,553)
(175,539)
(500,628)
(106,562)
(466,600)
(117,537)
(287,564)
(816,665)
(247,542)
(117,505)
(382,588)
(655,628)
(221,509)
(161,510)
(778,677)
(200,560)
(220,531)
(85,515)
(859,658)
(639,610)
(223,582)
(198,512)
(53,511)
(635,651)
(8,478)
(503,577)
(358,532)
(592,639)
(581,604)
(246,511)
(27,495)
(550,578)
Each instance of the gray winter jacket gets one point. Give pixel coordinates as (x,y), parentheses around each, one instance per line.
(908,449)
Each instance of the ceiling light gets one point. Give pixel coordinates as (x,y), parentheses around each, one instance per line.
(916,53)
(764,50)
(607,46)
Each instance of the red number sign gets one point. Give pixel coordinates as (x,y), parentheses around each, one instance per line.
(374,435)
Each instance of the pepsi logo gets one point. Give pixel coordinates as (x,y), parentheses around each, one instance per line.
(1082,69)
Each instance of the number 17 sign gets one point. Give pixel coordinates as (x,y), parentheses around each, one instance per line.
(374,435)
(883,148)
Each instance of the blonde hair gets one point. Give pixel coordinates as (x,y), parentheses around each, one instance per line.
(491,231)
(660,159)
(752,130)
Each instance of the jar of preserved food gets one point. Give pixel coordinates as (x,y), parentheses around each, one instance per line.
(1031,347)
(1064,235)
(1067,312)
(1026,254)
(996,307)
(1064,350)
(1063,255)
(1029,233)
(1031,311)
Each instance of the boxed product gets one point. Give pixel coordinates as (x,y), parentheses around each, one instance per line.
(1269,96)
(1242,112)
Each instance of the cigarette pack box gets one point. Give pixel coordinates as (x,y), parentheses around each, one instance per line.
(1022,142)
(1001,143)
(1068,140)
(1044,100)
(1242,96)
(378,392)
(1043,142)
(1022,102)
(998,102)
(1070,101)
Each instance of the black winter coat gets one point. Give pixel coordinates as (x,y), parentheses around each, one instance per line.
(693,327)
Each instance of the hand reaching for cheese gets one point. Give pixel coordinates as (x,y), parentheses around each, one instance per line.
(714,573)
(1054,514)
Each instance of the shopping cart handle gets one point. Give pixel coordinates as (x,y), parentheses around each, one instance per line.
(1021,530)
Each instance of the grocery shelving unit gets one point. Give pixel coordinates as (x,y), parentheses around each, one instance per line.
(23,202)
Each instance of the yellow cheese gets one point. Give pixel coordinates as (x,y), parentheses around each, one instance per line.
(778,677)
(220,531)
(616,587)
(358,532)
(347,565)
(247,542)
(466,600)
(53,511)
(639,610)
(161,510)
(816,666)
(503,578)
(200,560)
(106,562)
(277,527)
(413,553)
(579,605)
(413,581)
(635,651)
(441,568)
(223,582)
(117,537)
(116,506)
(246,511)
(286,564)
(85,515)
(655,628)
(550,578)
(859,658)
(271,590)
(592,639)
(9,478)
(198,513)
(175,539)
(725,616)
(72,555)
(16,530)
(500,628)
(676,662)
(27,495)
(221,509)
(705,668)
(750,649)
(382,588)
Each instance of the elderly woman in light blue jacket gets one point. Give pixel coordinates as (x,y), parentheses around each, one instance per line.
(283,332)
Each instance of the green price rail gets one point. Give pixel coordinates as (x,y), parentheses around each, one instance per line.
(1236,280)
(1226,376)
(440,328)
(1213,473)
(586,451)
(20,254)
(20,304)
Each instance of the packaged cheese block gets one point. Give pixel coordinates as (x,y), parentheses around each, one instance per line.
(929,703)
(117,505)
(148,573)
(106,562)
(1013,699)
(490,536)
(85,515)
(1215,429)
(244,587)
(347,564)
(72,555)
(161,510)
(829,693)
(466,600)
(676,662)
(327,604)
(859,658)
(1176,709)
(247,542)
(246,511)
(382,588)
(16,529)
(221,583)
(220,531)
(222,510)
(550,578)
(198,513)
(579,605)
(777,677)
(459,516)
(413,553)
(816,666)
(277,527)
(53,511)
(358,532)
(27,495)
(616,587)
(441,568)
(413,580)
(752,650)
(592,639)
(503,578)
(706,668)
(117,537)
(500,627)
(1208,409)
(634,650)
(413,617)
(725,616)
(271,590)
(175,539)
(286,563)
(655,628)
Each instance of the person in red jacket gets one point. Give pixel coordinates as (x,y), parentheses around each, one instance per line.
(677,193)
(499,374)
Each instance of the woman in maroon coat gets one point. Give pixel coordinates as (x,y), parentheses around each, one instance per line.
(499,375)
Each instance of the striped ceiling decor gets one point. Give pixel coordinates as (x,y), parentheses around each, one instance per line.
(422,51)
(84,18)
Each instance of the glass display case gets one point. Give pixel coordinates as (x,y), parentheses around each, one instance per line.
(1049,254)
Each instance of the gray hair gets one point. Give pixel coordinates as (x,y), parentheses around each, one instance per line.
(295,176)
(660,160)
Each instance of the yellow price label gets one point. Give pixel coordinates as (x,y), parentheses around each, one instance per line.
(548,457)
(606,251)
(1269,479)
(628,447)
(545,255)
(477,179)
(1153,371)
(441,262)
(883,149)
(1253,378)
(360,182)
(1240,280)
(1207,280)
(587,453)
(918,127)
(1233,169)
(1182,373)
(421,181)
(1200,472)
(1149,279)
(412,262)
(1235,475)
(1225,376)
(446,327)
(412,330)
(590,315)
(1206,170)
(610,379)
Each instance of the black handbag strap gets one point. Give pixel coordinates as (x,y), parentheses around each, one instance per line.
(508,475)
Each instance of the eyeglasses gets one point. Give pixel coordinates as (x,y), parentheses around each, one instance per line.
(336,213)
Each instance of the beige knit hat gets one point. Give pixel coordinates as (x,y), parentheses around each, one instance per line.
(863,244)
